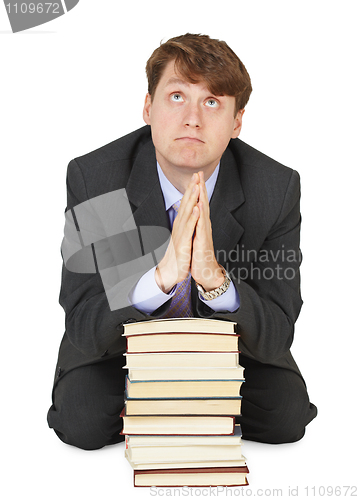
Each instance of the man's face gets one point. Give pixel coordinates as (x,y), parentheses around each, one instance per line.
(190,126)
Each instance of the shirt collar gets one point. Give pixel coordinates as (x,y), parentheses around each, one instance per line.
(171,194)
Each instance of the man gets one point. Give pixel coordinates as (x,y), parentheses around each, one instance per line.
(233,253)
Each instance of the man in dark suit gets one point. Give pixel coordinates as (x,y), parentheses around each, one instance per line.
(234,244)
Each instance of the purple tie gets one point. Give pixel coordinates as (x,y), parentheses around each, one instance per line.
(181,306)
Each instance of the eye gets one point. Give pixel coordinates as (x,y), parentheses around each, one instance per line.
(212,103)
(176,97)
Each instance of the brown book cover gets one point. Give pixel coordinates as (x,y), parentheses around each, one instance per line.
(160,429)
(210,476)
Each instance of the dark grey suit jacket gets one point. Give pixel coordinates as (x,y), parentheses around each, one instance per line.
(255,222)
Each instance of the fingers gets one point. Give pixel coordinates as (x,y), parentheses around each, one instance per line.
(203,196)
(176,263)
(195,192)
(189,216)
(190,188)
(188,213)
(189,199)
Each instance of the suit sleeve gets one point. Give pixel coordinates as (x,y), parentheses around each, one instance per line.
(91,326)
(269,287)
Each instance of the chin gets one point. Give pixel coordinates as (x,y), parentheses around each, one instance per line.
(190,160)
(191,166)
(186,159)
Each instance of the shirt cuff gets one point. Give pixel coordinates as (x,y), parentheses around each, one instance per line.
(146,295)
(228,301)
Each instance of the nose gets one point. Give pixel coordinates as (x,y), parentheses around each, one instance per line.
(193,116)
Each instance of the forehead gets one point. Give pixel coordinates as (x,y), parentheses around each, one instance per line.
(172,77)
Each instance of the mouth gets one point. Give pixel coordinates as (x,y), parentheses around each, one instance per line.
(190,139)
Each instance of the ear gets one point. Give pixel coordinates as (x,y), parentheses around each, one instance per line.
(237,124)
(147,109)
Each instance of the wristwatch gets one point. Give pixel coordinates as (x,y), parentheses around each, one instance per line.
(212,294)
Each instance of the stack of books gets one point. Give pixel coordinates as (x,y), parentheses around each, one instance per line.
(182,396)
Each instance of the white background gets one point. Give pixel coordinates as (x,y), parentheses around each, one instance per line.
(76,83)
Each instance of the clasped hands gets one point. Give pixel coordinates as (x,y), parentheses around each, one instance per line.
(191,245)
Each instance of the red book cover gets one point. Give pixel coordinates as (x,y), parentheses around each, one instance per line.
(207,470)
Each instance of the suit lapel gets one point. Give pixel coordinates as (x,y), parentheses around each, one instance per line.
(227,196)
(149,216)
(144,190)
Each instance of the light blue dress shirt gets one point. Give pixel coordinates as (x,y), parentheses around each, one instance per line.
(146,295)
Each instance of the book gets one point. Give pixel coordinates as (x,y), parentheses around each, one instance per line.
(195,325)
(178,425)
(190,342)
(151,450)
(177,454)
(185,465)
(182,388)
(210,476)
(186,373)
(182,360)
(182,395)
(194,440)
(195,406)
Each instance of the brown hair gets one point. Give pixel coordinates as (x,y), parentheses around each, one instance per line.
(201,58)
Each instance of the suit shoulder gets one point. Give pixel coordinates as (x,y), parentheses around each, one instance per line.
(124,148)
(105,169)
(255,162)
(264,180)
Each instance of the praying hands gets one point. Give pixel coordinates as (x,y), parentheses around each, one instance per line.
(190,249)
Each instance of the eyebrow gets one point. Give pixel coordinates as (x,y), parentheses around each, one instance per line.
(179,81)
(176,81)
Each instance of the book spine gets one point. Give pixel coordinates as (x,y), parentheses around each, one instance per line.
(196,431)
(206,406)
